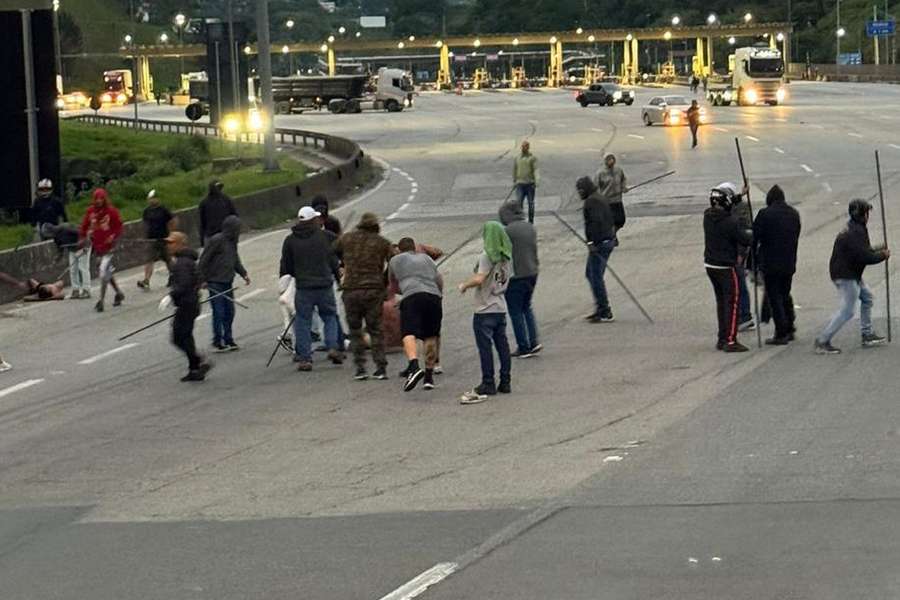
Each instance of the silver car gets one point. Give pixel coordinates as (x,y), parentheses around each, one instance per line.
(668,110)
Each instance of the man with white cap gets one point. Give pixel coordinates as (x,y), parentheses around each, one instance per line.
(158,222)
(307,255)
(47,210)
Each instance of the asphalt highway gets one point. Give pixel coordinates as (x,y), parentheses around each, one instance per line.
(631,461)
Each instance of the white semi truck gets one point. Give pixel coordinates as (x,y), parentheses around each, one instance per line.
(757,76)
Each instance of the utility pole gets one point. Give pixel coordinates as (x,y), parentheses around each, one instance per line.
(235,56)
(30,101)
(264,56)
(875,38)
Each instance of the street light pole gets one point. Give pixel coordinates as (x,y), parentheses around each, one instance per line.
(265,82)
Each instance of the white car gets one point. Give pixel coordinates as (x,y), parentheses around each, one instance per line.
(668,110)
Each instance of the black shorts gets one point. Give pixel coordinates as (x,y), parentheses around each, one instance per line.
(421,315)
(158,251)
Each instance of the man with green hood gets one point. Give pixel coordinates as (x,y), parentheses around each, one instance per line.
(491,278)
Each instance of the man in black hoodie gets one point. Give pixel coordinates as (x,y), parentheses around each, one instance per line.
(851,255)
(776,233)
(47,210)
(600,232)
(213,209)
(307,255)
(329,223)
(184,284)
(724,237)
(218,264)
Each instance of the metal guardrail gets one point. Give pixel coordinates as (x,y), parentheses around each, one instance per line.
(339,147)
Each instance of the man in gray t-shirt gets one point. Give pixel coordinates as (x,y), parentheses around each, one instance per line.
(421,313)
(489,296)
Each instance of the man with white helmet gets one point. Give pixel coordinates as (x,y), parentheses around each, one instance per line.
(724,237)
(741,210)
(47,210)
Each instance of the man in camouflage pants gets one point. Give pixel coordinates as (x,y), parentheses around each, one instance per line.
(365,254)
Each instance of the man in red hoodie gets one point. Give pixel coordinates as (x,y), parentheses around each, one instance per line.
(102,225)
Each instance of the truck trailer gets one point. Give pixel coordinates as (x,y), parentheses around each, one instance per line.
(756,77)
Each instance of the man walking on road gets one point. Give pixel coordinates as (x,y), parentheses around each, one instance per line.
(422,287)
(212,211)
(526,178)
(600,233)
(693,115)
(307,256)
(491,279)
(218,264)
(724,237)
(101,229)
(524,280)
(612,184)
(158,221)
(776,233)
(365,254)
(851,255)
(184,284)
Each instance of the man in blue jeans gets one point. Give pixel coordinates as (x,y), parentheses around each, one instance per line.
(524,279)
(308,256)
(491,279)
(851,255)
(218,264)
(526,178)
(600,233)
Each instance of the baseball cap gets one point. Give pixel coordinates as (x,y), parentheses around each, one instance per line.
(45,184)
(308,213)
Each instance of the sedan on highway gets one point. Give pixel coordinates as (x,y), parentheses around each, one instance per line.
(604,94)
(668,110)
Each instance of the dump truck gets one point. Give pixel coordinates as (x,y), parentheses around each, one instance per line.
(757,76)
(118,87)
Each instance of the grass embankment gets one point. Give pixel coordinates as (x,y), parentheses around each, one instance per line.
(178,167)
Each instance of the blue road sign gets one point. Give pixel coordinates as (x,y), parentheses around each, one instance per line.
(879,28)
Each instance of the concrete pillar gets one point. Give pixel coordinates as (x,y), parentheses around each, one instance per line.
(560,67)
(332,66)
(786,51)
(700,54)
(626,62)
(635,60)
(444,71)
(145,81)
(710,60)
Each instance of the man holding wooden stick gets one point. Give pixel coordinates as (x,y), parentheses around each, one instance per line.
(185,293)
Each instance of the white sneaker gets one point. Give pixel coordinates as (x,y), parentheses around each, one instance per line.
(472,397)
(4,366)
(747,326)
(438,370)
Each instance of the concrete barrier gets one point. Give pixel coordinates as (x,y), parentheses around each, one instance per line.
(259,210)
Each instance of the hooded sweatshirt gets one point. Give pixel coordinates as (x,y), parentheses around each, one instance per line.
(213,209)
(524,240)
(852,253)
(308,257)
(184,282)
(776,231)
(365,255)
(328,222)
(220,260)
(102,224)
(724,237)
(599,222)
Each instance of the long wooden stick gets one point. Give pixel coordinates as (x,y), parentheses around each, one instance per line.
(280,340)
(737,143)
(170,317)
(469,240)
(651,180)
(887,268)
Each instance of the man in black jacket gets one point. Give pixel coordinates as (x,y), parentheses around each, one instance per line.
(218,264)
(213,209)
(600,232)
(184,284)
(776,233)
(307,255)
(851,254)
(724,236)
(47,210)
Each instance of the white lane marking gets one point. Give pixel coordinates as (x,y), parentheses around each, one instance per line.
(416,586)
(894,146)
(252,294)
(856,135)
(403,206)
(827,186)
(635,136)
(392,216)
(722,129)
(596,130)
(19,386)
(396,169)
(752,139)
(779,150)
(807,168)
(595,150)
(410,198)
(107,354)
(816,125)
(781,120)
(613,458)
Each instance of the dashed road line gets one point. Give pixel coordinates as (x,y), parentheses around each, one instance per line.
(778,150)
(419,584)
(19,387)
(856,135)
(827,187)
(409,199)
(635,136)
(392,216)
(807,168)
(894,146)
(403,206)
(752,139)
(596,130)
(722,129)
(107,354)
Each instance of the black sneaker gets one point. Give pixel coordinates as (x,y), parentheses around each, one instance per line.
(522,354)
(219,348)
(777,341)
(504,388)
(870,339)
(748,325)
(825,348)
(205,367)
(404,373)
(606,317)
(361,374)
(99,306)
(736,347)
(143,284)
(537,349)
(232,347)
(429,381)
(413,379)
(380,374)
(592,317)
(194,376)
(117,299)
(336,358)
(720,345)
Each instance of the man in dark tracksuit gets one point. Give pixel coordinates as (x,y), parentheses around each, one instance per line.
(851,255)
(218,264)
(184,284)
(213,210)
(776,233)
(724,236)
(600,232)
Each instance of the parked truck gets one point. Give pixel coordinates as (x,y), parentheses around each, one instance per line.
(390,90)
(118,87)
(756,77)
